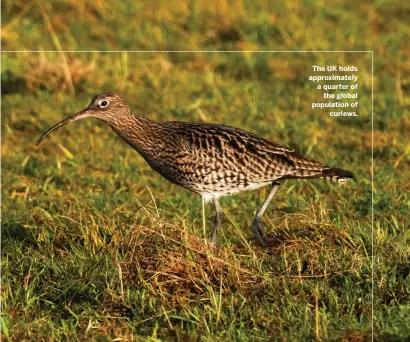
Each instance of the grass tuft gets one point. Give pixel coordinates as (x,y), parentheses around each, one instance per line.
(96,246)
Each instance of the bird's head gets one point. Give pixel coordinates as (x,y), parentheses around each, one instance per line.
(107,107)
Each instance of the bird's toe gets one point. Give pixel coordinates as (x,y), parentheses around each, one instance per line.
(259,233)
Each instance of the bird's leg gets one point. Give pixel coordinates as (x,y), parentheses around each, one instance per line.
(218,220)
(256,224)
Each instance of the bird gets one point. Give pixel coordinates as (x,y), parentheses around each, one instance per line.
(211,160)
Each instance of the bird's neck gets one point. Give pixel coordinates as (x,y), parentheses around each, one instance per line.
(138,131)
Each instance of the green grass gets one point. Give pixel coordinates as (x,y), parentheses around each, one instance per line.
(97,246)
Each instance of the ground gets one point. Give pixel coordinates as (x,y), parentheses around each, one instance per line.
(97,245)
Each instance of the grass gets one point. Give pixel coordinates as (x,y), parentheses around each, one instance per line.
(97,246)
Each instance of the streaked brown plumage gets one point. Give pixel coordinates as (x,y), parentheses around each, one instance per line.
(209,159)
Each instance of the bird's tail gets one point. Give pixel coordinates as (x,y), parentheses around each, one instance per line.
(337,175)
(309,168)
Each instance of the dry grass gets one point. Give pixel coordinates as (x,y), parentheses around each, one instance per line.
(96,245)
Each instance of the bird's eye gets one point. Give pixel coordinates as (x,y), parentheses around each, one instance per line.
(103,104)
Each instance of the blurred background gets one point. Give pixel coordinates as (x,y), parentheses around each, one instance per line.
(69,204)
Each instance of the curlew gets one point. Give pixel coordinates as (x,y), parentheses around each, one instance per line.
(211,160)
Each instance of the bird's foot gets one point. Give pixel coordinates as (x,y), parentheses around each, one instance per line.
(260,235)
(212,245)
(213,237)
(215,231)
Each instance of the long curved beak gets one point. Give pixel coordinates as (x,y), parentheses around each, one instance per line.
(80,115)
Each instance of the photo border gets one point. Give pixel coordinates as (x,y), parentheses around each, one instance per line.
(228,51)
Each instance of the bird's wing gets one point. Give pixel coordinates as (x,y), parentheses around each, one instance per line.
(220,137)
(239,150)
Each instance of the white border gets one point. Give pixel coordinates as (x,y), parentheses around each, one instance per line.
(186,51)
(231,51)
